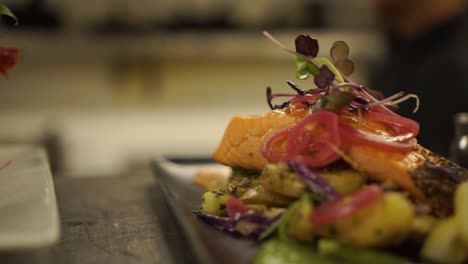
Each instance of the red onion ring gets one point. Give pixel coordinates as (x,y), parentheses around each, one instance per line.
(235,208)
(400,124)
(299,143)
(267,146)
(329,213)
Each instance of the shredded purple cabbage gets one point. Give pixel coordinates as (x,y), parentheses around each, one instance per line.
(219,222)
(314,181)
(264,230)
(228,225)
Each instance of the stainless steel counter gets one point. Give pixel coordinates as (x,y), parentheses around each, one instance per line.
(109,220)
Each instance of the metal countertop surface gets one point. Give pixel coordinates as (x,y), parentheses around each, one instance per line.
(122,219)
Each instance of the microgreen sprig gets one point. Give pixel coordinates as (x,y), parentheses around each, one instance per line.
(5,11)
(339,53)
(306,61)
(331,79)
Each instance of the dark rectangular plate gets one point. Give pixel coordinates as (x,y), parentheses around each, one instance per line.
(207,245)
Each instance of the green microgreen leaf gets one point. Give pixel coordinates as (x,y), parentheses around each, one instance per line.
(305,68)
(312,68)
(301,64)
(5,11)
(315,198)
(302,75)
(319,103)
(339,100)
(301,68)
(335,101)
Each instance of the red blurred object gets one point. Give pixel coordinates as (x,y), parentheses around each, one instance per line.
(333,211)
(6,164)
(8,59)
(235,208)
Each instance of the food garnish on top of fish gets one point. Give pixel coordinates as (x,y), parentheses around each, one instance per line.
(336,162)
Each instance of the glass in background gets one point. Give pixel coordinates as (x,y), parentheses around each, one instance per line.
(459,148)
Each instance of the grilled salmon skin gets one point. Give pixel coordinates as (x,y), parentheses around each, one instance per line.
(425,175)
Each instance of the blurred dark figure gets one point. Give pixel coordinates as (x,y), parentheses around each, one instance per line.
(427,55)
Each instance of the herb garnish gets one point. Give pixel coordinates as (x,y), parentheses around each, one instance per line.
(324,78)
(5,11)
(335,90)
(336,101)
(307,46)
(339,53)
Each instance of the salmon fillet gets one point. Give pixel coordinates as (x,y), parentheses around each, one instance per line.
(388,166)
(423,174)
(243,137)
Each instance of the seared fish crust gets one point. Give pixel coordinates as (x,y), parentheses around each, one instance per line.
(438,178)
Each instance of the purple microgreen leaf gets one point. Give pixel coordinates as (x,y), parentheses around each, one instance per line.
(307,46)
(270,96)
(332,68)
(339,51)
(360,103)
(324,78)
(345,66)
(361,100)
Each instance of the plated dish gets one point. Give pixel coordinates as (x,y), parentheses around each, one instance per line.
(332,174)
(207,245)
(28,207)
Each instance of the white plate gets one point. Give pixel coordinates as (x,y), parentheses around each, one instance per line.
(28,208)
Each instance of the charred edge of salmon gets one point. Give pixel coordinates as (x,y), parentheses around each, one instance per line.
(438,178)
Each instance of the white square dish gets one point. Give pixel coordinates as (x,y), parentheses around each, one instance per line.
(28,207)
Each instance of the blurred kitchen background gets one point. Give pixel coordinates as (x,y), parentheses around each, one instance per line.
(108,84)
